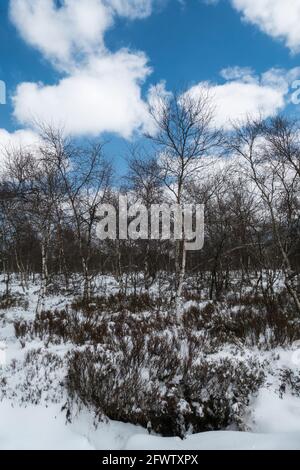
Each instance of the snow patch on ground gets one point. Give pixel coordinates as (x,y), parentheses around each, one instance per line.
(41,428)
(272,414)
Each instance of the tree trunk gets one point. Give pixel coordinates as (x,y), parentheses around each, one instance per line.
(180,275)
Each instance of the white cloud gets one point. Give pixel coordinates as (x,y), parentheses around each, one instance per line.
(73,30)
(278,18)
(245,94)
(103,97)
(234,73)
(100,91)
(17,139)
(14,141)
(61,33)
(131,8)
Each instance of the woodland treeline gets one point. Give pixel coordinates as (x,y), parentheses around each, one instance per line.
(248,178)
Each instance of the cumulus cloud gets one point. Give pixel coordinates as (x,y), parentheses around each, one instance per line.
(278,18)
(14,141)
(65,33)
(60,33)
(99,91)
(104,97)
(18,139)
(245,94)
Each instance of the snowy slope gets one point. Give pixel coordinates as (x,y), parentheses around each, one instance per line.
(37,427)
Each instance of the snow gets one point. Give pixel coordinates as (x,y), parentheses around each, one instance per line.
(37,428)
(272,414)
(274,420)
(41,428)
(222,440)
(45,428)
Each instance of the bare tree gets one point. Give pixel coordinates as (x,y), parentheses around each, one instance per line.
(86,176)
(143,181)
(184,137)
(34,184)
(276,186)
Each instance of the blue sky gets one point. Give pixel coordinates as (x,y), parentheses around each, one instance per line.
(184,43)
(194,42)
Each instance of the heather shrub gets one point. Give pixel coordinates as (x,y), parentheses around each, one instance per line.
(154,386)
(136,363)
(248,324)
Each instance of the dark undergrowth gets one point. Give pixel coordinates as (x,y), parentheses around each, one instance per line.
(154,386)
(136,362)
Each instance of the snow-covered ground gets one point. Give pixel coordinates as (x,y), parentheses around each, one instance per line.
(274,420)
(38,427)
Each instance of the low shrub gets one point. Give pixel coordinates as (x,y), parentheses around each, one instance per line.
(289,382)
(39,378)
(120,302)
(141,365)
(249,325)
(161,390)
(61,326)
(10,301)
